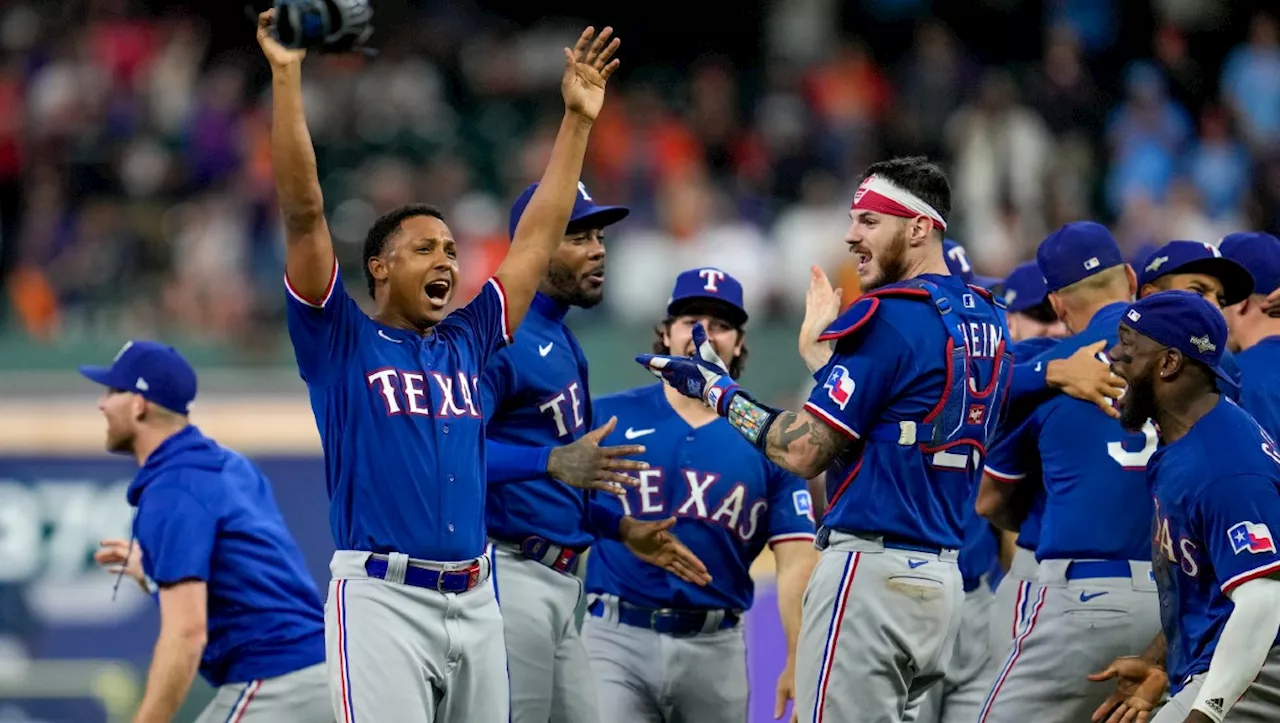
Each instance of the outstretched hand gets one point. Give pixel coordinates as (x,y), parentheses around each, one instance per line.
(586,70)
(821,307)
(704,376)
(652,541)
(587,465)
(1139,686)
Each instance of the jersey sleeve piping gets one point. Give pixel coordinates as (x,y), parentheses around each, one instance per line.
(502,303)
(792,537)
(1253,574)
(328,291)
(1003,476)
(831,421)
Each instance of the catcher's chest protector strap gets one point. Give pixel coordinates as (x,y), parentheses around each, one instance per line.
(979,369)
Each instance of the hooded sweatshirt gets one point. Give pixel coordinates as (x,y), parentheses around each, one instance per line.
(206,513)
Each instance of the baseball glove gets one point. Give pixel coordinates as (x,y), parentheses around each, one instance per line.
(333,26)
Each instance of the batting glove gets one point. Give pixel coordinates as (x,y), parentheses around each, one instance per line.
(704,376)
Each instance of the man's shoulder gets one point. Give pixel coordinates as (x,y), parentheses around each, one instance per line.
(627,398)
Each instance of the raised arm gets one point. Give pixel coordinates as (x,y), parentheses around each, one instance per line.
(587,69)
(309,259)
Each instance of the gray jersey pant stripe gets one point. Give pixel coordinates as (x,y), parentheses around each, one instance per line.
(242,703)
(833,631)
(1026,622)
(344,667)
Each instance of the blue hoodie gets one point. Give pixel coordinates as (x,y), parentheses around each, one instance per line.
(207,513)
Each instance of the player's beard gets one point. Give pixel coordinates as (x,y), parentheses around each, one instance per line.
(892,262)
(570,289)
(1138,403)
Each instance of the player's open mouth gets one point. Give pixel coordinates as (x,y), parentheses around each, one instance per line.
(863,257)
(438,291)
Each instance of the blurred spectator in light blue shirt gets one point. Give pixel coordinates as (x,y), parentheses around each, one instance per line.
(1251,83)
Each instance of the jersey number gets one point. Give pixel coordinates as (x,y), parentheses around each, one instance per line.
(1135,460)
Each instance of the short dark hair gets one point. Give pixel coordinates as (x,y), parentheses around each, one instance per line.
(918,175)
(736,367)
(375,242)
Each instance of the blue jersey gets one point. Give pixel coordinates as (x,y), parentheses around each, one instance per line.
(1097,504)
(535,396)
(1030,487)
(729,499)
(206,513)
(1217,496)
(895,366)
(400,420)
(1260,383)
(979,549)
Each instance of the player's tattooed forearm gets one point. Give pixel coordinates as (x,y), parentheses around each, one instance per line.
(800,444)
(1156,651)
(790,429)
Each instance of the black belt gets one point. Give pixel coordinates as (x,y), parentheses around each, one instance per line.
(667,621)
(890,541)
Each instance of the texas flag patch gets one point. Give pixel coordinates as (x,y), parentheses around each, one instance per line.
(1251,537)
(839,386)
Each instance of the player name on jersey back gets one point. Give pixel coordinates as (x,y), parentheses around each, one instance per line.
(400,420)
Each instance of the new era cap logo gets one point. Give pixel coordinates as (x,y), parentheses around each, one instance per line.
(1009,296)
(1133,315)
(1157,262)
(1092,264)
(141,385)
(1203,344)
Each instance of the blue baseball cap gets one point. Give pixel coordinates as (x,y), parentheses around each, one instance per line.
(1194,257)
(1075,252)
(152,370)
(708,283)
(1259,253)
(1024,288)
(959,265)
(1184,321)
(586,214)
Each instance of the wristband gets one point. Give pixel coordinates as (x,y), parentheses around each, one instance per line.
(751,418)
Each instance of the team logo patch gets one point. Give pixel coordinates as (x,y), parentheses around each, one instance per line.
(839,386)
(1251,537)
(803,503)
(977,413)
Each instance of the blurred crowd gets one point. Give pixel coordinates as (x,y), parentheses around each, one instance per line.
(136,193)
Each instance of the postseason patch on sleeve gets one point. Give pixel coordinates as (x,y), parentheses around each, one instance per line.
(803,503)
(1251,537)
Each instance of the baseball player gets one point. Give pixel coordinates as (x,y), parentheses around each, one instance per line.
(913,390)
(236,600)
(663,649)
(1034,328)
(412,625)
(1216,482)
(1196,267)
(1094,594)
(1255,336)
(538,411)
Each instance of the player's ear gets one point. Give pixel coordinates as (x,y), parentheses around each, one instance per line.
(378,269)
(1132,279)
(137,407)
(1056,304)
